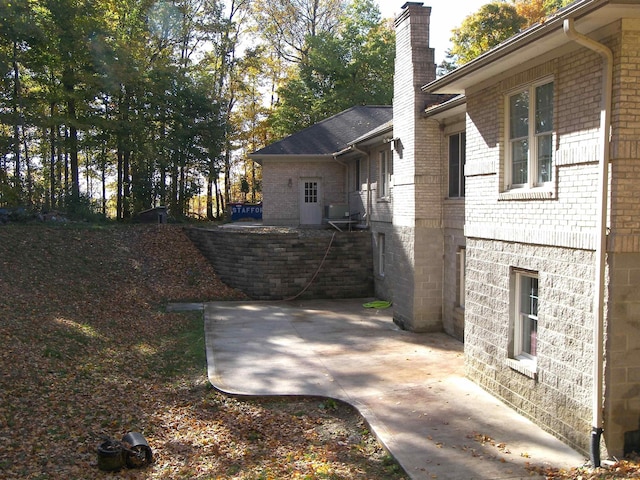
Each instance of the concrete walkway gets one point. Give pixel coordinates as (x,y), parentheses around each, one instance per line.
(410,387)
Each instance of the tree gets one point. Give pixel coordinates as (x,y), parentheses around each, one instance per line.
(287,25)
(492,24)
(353,66)
(536,11)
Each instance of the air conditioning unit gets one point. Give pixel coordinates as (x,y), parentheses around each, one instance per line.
(337,211)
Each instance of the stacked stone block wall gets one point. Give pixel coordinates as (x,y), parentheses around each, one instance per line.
(274,265)
(559,399)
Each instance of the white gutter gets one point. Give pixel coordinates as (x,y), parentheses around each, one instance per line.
(601,234)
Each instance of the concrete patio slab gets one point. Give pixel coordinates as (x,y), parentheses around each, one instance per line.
(409,387)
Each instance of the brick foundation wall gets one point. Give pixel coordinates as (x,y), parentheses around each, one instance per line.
(559,399)
(275,264)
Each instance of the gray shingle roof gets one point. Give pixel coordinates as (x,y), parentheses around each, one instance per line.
(332,134)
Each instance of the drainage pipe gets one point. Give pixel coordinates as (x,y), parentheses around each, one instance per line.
(367,155)
(601,234)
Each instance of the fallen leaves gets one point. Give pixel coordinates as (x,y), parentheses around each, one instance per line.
(88,351)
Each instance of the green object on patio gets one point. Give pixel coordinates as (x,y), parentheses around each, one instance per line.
(377,304)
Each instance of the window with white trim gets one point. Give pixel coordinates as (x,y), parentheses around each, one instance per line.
(457,148)
(356,176)
(525,319)
(530,136)
(384,173)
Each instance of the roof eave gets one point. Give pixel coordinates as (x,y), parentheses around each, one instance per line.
(259,158)
(480,69)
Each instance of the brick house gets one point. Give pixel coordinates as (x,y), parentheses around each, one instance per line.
(552,222)
(415,215)
(502,206)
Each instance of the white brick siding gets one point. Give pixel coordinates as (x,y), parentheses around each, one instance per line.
(554,235)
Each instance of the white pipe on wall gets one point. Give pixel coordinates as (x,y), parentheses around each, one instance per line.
(601,233)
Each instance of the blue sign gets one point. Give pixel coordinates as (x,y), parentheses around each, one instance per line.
(241,211)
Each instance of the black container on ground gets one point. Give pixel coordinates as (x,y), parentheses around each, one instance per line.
(137,452)
(110,456)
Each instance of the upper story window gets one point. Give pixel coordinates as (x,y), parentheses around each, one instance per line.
(384,173)
(530,136)
(457,149)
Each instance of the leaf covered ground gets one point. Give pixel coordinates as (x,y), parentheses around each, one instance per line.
(88,352)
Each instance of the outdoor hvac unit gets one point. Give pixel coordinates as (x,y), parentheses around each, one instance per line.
(339,211)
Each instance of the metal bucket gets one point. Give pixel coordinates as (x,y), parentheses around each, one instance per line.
(136,450)
(110,456)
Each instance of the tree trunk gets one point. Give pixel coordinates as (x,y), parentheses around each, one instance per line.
(120,176)
(16,120)
(52,160)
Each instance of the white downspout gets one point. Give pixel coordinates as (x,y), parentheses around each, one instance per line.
(369,206)
(601,234)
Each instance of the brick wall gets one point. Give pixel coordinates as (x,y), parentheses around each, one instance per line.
(553,233)
(559,399)
(273,264)
(622,403)
(283,206)
(417,233)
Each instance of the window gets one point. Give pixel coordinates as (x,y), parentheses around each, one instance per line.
(356,176)
(457,148)
(310,192)
(525,319)
(384,174)
(530,136)
(381,254)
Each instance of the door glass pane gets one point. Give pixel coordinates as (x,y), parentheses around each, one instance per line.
(310,192)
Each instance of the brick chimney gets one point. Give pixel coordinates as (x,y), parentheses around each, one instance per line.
(417,248)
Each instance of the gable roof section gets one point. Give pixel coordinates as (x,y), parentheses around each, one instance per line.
(330,135)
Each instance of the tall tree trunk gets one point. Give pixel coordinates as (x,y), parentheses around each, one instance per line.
(66,167)
(52,159)
(104,177)
(210,197)
(126,183)
(27,162)
(119,180)
(17,117)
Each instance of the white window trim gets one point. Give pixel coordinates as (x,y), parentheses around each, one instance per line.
(384,174)
(530,190)
(520,361)
(461,163)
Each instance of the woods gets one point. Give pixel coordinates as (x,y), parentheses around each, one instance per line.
(111,107)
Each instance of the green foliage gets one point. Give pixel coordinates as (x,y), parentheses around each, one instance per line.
(353,66)
(97,89)
(490,25)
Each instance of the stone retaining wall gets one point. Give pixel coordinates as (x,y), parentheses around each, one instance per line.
(278,263)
